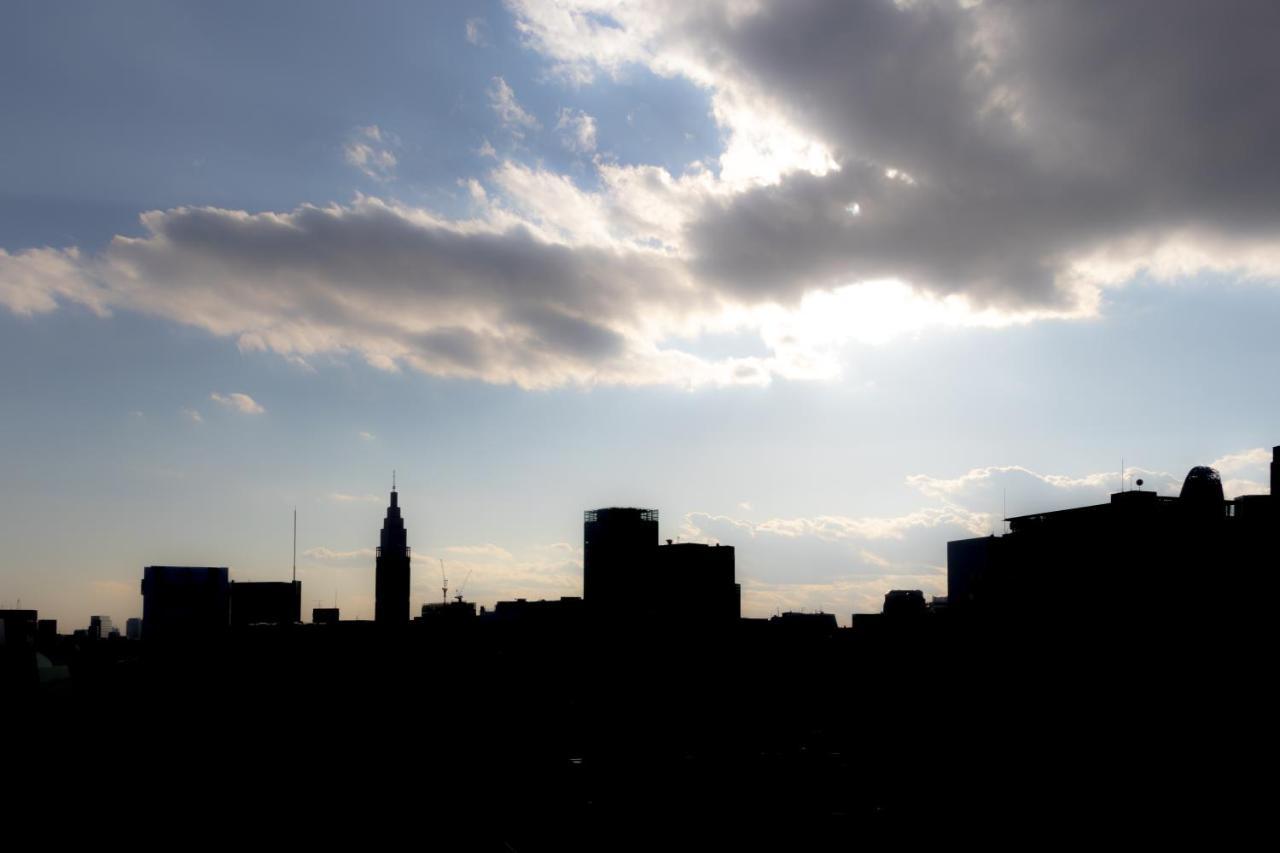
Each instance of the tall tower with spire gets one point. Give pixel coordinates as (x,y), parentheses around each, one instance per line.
(391,584)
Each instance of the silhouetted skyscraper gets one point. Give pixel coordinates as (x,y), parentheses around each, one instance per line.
(619,545)
(391,584)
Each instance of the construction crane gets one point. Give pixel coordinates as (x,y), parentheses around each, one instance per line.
(463,586)
(444,583)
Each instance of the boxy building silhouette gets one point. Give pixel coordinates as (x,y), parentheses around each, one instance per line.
(184,602)
(1143,551)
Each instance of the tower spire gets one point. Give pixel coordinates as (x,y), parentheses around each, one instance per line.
(393,479)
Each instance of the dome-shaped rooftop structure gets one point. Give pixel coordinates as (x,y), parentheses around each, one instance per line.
(1202,487)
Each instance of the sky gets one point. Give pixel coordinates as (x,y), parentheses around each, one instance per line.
(830,282)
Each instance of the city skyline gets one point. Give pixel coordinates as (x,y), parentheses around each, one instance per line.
(834,285)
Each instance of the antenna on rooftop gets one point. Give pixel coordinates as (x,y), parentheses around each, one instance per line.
(444,583)
(295,544)
(393,479)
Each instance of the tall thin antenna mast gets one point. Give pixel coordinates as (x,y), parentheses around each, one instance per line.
(295,544)
(393,479)
(1122,473)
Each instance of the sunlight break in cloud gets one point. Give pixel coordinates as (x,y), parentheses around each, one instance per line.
(999,177)
(242,403)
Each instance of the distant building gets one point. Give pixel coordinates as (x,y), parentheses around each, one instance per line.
(704,590)
(100,627)
(564,612)
(391,581)
(1140,552)
(619,552)
(804,625)
(47,633)
(18,628)
(623,564)
(133,628)
(448,613)
(184,602)
(905,604)
(266,603)
(324,616)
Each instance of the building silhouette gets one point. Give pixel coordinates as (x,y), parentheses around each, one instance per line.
(705,592)
(266,603)
(100,628)
(391,581)
(1140,552)
(184,602)
(324,616)
(619,551)
(133,628)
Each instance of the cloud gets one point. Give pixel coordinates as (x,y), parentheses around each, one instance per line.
(1247,472)
(1009,153)
(578,130)
(477,32)
(341,497)
(367,436)
(496,552)
(193,415)
(35,281)
(369,150)
(513,116)
(1006,162)
(322,553)
(242,403)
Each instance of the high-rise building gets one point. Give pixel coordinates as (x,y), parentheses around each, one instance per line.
(100,627)
(184,602)
(391,582)
(133,628)
(619,547)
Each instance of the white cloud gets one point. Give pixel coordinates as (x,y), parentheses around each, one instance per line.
(370,151)
(322,553)
(192,415)
(341,497)
(367,436)
(513,116)
(578,130)
(242,403)
(35,281)
(496,552)
(477,32)
(999,173)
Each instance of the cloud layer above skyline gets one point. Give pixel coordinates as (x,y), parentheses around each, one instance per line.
(884,168)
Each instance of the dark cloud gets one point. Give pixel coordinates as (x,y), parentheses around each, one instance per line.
(1032,135)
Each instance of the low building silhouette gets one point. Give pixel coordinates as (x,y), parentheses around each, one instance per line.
(705,593)
(185,602)
(1140,552)
(324,616)
(266,603)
